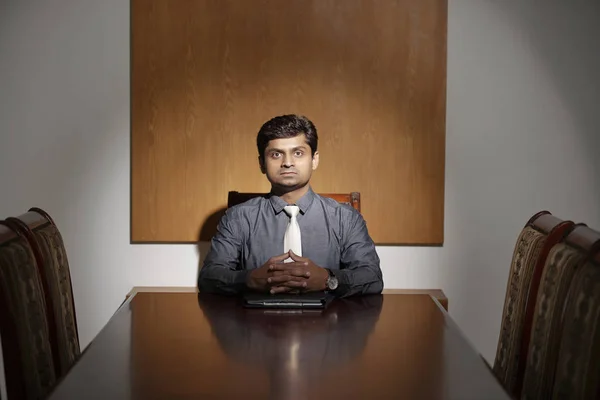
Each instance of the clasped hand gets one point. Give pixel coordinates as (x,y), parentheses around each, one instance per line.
(278,277)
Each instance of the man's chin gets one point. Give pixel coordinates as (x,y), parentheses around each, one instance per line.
(288,186)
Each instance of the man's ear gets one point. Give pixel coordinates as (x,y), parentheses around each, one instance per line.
(261,163)
(315,160)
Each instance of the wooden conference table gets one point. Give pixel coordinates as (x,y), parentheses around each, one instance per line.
(162,345)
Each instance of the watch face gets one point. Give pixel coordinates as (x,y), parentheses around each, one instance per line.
(332,283)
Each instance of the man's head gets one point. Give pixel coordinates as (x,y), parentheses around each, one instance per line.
(287,151)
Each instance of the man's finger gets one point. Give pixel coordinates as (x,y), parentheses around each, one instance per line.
(295,272)
(288,266)
(278,279)
(295,284)
(299,273)
(296,257)
(279,258)
(279,289)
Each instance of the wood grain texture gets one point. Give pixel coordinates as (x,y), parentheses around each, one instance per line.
(189,346)
(205,76)
(437,294)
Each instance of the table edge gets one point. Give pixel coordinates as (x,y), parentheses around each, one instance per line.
(437,295)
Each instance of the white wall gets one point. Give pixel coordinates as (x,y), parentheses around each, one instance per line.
(523,94)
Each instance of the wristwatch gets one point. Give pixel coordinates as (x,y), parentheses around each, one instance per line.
(332,281)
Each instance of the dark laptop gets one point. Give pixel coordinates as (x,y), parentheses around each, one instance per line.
(312,300)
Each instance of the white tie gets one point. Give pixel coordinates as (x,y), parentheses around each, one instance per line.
(292,239)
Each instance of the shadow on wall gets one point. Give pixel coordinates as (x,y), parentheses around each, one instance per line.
(571,56)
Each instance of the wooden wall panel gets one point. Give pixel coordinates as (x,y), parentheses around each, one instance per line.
(206,74)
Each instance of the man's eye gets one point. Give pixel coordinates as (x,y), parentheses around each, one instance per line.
(298,154)
(275,154)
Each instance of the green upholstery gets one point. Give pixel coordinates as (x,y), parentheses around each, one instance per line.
(28,362)
(578,369)
(56,266)
(525,256)
(560,267)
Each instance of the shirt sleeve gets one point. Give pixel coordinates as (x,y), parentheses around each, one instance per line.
(359,272)
(221,272)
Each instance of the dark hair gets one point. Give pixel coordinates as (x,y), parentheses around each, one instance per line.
(286,126)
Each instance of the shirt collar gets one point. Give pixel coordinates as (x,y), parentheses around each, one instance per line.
(303,203)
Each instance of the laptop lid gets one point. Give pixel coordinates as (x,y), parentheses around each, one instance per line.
(313,300)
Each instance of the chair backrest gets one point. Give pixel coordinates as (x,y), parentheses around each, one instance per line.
(561,265)
(577,374)
(541,232)
(29,365)
(352,198)
(46,240)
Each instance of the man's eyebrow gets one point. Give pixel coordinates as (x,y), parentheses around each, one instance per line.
(301,147)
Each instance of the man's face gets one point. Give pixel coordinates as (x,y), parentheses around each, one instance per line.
(288,163)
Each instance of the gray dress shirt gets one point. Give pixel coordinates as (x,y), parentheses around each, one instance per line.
(334,236)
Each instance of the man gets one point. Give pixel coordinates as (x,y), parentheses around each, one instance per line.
(292,240)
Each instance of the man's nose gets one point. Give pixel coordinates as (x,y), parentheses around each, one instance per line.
(288,160)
